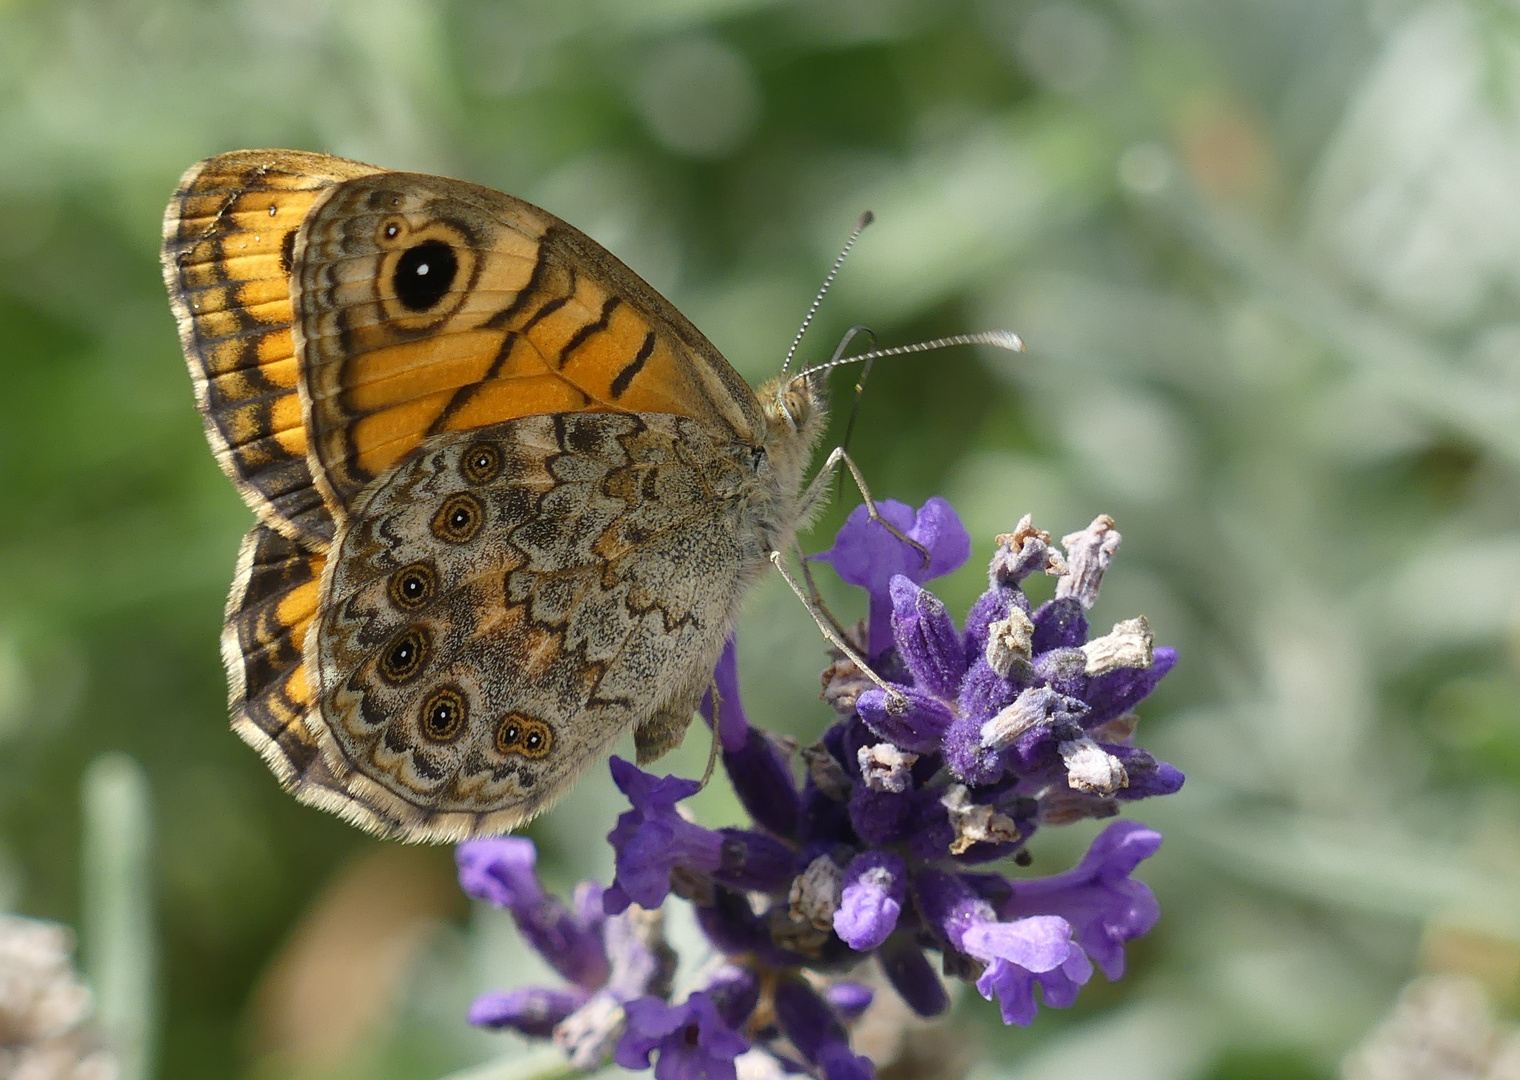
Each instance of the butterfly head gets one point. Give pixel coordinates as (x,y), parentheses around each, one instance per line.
(795,402)
(796,412)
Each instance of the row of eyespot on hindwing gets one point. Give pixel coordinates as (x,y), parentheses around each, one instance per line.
(412,588)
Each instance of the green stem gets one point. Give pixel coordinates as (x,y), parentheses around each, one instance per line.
(117,931)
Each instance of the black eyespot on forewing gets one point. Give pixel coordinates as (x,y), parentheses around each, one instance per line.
(424,274)
(481,463)
(404,657)
(444,714)
(413,586)
(459,518)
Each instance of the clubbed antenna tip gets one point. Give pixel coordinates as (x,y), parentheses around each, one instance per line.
(1001,339)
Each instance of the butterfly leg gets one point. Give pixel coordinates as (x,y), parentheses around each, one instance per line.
(712,749)
(815,493)
(895,699)
(814,594)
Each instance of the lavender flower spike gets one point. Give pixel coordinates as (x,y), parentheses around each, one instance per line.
(883,843)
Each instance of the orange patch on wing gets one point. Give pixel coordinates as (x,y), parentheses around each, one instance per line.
(384,438)
(286,422)
(524,395)
(400,373)
(277,363)
(296,609)
(298,688)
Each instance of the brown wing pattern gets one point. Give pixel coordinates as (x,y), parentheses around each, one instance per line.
(271,607)
(229,238)
(507,602)
(427,305)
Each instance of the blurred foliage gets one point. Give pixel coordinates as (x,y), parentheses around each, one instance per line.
(1266,254)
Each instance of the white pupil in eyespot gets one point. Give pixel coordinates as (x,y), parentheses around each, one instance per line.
(421,269)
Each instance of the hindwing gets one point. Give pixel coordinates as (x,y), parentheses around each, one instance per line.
(229,240)
(507,602)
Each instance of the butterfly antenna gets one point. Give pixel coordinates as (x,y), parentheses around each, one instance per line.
(1002,339)
(860,226)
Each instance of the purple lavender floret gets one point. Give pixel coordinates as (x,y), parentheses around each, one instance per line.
(691,1040)
(501,872)
(867,555)
(886,847)
(653,839)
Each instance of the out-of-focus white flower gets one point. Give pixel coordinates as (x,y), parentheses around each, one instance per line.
(44,1010)
(1443,1028)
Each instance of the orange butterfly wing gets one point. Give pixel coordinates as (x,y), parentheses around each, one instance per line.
(426,305)
(229,237)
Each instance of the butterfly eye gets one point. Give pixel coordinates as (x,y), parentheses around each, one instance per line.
(518,734)
(481,463)
(405,656)
(424,273)
(459,519)
(443,714)
(412,586)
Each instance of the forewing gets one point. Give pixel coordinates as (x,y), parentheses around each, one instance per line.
(426,305)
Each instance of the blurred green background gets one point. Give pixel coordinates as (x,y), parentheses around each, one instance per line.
(1265,253)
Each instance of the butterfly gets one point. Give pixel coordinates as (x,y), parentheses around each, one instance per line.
(509,499)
